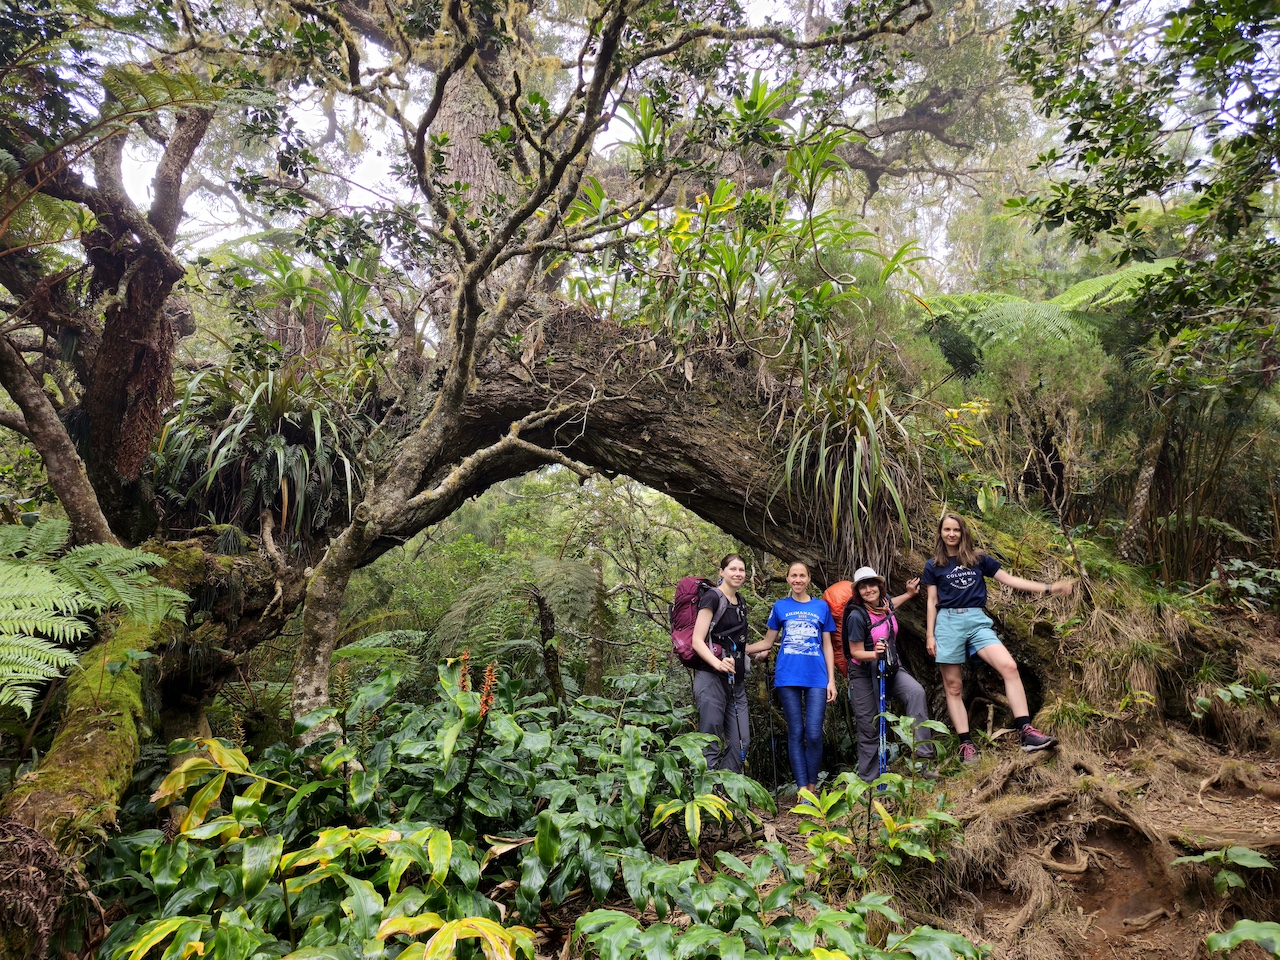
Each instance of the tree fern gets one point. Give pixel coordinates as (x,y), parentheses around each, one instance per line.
(1074,314)
(1109,290)
(45,600)
(992,317)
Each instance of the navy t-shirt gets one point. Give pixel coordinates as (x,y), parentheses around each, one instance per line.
(960,586)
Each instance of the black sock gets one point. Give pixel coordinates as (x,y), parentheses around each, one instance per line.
(1022,722)
(966,738)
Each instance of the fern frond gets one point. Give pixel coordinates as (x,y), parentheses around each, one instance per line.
(147,91)
(56,627)
(42,600)
(34,587)
(36,543)
(111,576)
(1109,290)
(992,317)
(26,663)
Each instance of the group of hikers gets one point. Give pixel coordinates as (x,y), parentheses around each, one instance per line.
(805,668)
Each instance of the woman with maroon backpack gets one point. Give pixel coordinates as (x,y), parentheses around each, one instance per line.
(719,668)
(870,635)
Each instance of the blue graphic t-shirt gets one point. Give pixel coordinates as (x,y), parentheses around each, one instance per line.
(960,586)
(801,626)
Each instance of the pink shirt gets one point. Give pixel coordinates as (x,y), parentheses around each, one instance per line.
(880,631)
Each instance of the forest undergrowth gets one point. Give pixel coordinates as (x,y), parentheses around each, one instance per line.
(477,818)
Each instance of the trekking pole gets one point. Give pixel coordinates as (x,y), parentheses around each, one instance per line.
(884,744)
(737,719)
(773,748)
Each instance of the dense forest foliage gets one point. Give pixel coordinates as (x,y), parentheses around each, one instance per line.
(373,370)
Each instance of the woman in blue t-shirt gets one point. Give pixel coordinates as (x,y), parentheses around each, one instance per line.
(805,672)
(958,626)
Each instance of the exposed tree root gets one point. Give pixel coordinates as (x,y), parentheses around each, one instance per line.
(1234,773)
(1136,924)
(1080,865)
(1029,879)
(1014,809)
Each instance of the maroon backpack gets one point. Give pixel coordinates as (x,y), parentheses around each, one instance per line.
(684,612)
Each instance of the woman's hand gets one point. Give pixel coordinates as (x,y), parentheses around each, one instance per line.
(725,665)
(912,587)
(931,645)
(879,649)
(1063,588)
(831,691)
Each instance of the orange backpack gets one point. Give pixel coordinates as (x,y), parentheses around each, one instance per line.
(837,596)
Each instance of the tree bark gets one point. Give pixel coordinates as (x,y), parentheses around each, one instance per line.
(62,463)
(550,652)
(1132,546)
(593,685)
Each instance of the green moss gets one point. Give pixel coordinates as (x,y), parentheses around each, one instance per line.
(91,761)
(185,563)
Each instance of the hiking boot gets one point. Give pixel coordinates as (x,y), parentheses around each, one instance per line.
(968,754)
(1033,740)
(927,772)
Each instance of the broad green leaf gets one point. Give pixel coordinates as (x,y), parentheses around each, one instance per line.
(926,943)
(546,843)
(665,810)
(258,865)
(1245,857)
(373,696)
(168,864)
(202,801)
(363,907)
(149,936)
(448,741)
(499,943)
(363,785)
(440,853)
(600,870)
(657,942)
(314,718)
(1265,934)
(694,939)
(410,926)
(228,758)
(174,786)
(693,822)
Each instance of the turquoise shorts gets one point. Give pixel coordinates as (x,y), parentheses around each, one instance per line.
(960,632)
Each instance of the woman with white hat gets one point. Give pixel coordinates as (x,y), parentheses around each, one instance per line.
(870,634)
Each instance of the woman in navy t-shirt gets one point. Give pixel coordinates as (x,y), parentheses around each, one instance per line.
(958,626)
(805,673)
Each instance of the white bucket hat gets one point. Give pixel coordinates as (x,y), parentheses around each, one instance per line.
(866,573)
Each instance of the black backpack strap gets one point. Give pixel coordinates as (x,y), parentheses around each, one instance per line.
(851,610)
(722,604)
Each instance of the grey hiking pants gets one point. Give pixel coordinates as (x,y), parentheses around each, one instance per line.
(864,692)
(722,712)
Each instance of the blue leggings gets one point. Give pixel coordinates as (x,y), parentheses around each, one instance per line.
(804,709)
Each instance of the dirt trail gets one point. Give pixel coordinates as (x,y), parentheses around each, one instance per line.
(1069,855)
